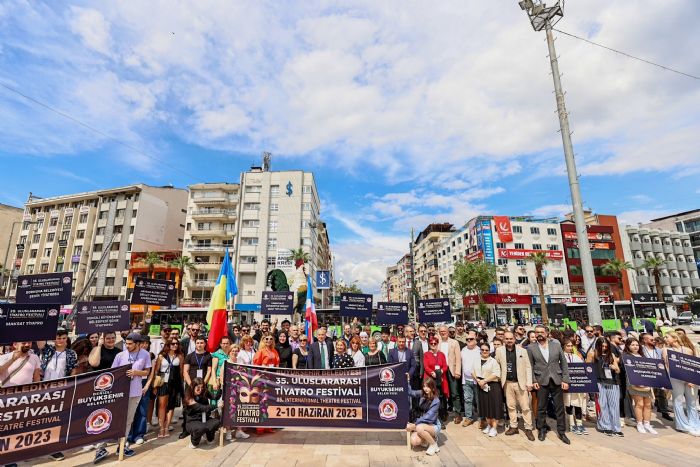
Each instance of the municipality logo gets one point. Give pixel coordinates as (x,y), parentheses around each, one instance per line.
(125,308)
(387,376)
(53,312)
(388,410)
(673,356)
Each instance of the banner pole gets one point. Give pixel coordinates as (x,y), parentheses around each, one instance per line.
(122,445)
(221,436)
(408,440)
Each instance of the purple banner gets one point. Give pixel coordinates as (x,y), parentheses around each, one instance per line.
(366,397)
(41,418)
(102,316)
(649,372)
(434,310)
(684,367)
(25,322)
(45,288)
(277,303)
(391,313)
(582,378)
(153,292)
(356,305)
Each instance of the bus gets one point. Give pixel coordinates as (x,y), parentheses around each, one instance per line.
(560,314)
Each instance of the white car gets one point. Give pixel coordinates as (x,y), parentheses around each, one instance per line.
(695,326)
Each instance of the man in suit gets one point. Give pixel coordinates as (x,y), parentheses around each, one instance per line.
(550,377)
(516,379)
(400,353)
(450,348)
(321,351)
(420,347)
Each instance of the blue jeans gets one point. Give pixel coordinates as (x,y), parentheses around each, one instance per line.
(140,425)
(471,400)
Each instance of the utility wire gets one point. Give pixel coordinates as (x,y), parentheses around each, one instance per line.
(626,54)
(94,130)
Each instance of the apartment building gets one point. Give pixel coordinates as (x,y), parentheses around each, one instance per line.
(94,234)
(391,287)
(686,222)
(452,249)
(405,278)
(425,252)
(10,222)
(211,227)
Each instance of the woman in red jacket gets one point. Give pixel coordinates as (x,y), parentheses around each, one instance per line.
(267,354)
(435,365)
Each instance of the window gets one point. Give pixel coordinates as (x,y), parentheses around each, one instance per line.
(535,230)
(500,245)
(251,206)
(65,235)
(536,246)
(40,224)
(274,190)
(51,237)
(53,222)
(102,215)
(522,280)
(519,246)
(305,224)
(249,259)
(274,207)
(229,227)
(33,253)
(204,225)
(118,229)
(271,261)
(120,212)
(559,280)
(83,218)
(306,206)
(30,269)
(517,229)
(645,240)
(109,281)
(251,223)
(77,250)
(503,280)
(25,225)
(254,188)
(44,267)
(520,262)
(36,238)
(67,221)
(272,226)
(502,262)
(271,243)
(551,231)
(553,247)
(47,252)
(250,241)
(657,241)
(22,239)
(306,189)
(307,242)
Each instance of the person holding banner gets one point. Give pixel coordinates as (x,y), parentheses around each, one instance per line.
(687,419)
(574,403)
(650,350)
(198,409)
(57,360)
(642,396)
(425,430)
(607,367)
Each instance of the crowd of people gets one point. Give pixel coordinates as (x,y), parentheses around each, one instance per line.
(456,374)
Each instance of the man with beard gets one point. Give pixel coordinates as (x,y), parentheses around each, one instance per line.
(294,337)
(516,379)
(550,377)
(21,366)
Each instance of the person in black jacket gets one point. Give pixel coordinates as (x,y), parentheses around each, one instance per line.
(198,411)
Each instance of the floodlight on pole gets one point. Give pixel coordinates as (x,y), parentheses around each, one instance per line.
(545,17)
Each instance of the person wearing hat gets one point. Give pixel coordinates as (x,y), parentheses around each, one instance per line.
(364,340)
(139,361)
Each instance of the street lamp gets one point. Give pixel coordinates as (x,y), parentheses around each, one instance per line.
(544,17)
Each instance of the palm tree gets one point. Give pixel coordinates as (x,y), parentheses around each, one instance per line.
(182,263)
(616,267)
(300,257)
(540,260)
(653,264)
(151,259)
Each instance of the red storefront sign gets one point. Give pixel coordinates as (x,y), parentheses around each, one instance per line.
(503,228)
(595,236)
(555,255)
(477,255)
(499,299)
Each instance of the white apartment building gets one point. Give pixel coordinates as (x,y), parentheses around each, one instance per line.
(425,253)
(94,233)
(452,249)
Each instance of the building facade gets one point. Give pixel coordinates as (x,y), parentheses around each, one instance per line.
(425,254)
(685,222)
(10,223)
(94,234)
(452,249)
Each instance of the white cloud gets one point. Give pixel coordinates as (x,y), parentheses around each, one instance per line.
(551,210)
(92,27)
(640,216)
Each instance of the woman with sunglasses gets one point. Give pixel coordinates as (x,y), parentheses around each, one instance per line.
(284,349)
(607,369)
(169,365)
(487,374)
(198,410)
(267,355)
(301,353)
(425,430)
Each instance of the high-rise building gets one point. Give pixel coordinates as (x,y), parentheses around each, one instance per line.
(452,249)
(94,233)
(686,222)
(392,285)
(10,222)
(425,253)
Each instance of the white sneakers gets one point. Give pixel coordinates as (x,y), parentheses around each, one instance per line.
(192,446)
(493,433)
(646,428)
(432,449)
(229,436)
(486,430)
(242,435)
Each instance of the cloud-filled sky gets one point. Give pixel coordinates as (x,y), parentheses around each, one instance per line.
(408,112)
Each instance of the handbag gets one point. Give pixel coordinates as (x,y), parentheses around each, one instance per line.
(158,380)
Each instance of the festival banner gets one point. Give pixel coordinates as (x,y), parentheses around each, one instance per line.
(356,305)
(367,397)
(649,372)
(434,310)
(26,322)
(277,303)
(45,288)
(41,418)
(582,378)
(153,292)
(391,313)
(684,367)
(102,316)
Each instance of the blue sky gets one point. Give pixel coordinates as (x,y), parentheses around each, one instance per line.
(407,112)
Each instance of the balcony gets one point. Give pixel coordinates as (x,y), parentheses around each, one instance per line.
(685,282)
(668,248)
(675,281)
(216,232)
(635,245)
(201,284)
(214,213)
(111,272)
(216,248)
(207,266)
(637,262)
(688,251)
(114,254)
(695,282)
(646,246)
(681,265)
(219,198)
(657,248)
(665,281)
(643,281)
(247,267)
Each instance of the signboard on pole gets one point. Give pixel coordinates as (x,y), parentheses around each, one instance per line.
(23,322)
(649,372)
(582,378)
(102,316)
(42,418)
(356,305)
(391,313)
(368,397)
(55,287)
(434,310)
(153,292)
(277,303)
(323,280)
(684,367)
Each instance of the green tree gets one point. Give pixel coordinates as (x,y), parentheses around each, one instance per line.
(616,267)
(474,278)
(183,263)
(300,257)
(342,287)
(654,266)
(540,260)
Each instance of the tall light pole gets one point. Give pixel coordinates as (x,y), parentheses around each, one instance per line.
(544,17)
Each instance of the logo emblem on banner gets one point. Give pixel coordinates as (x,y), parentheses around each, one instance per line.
(387,376)
(388,410)
(53,312)
(503,228)
(589,369)
(98,421)
(66,280)
(104,382)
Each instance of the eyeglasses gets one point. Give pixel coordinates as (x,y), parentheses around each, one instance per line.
(422,330)
(433,343)
(470,339)
(194,330)
(486,350)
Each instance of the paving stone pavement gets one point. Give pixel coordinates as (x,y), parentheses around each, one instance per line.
(458,447)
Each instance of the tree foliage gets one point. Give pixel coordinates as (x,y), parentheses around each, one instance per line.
(473,278)
(342,287)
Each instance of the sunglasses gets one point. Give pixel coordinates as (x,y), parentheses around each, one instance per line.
(486,350)
(470,339)
(303,340)
(433,343)
(173,344)
(268,339)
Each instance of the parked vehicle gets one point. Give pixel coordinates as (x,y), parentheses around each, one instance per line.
(695,326)
(684,318)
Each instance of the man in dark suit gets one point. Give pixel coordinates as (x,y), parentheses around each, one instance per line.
(550,375)
(420,346)
(400,353)
(321,351)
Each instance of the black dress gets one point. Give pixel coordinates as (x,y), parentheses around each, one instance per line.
(301,360)
(285,352)
(342,361)
(376,359)
(491,402)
